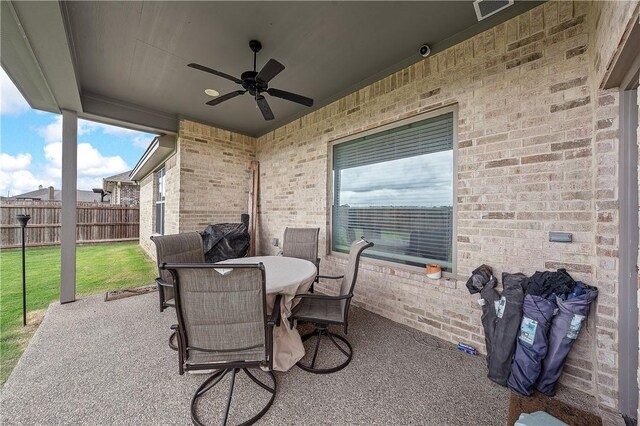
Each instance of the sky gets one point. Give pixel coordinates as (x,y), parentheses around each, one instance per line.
(424,181)
(31,146)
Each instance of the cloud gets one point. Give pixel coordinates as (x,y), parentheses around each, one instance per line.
(9,163)
(141,141)
(425,180)
(15,177)
(11,100)
(53,132)
(13,182)
(91,163)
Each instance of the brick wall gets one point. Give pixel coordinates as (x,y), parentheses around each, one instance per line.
(529,162)
(609,26)
(207,181)
(129,194)
(215,175)
(172,206)
(147,224)
(537,152)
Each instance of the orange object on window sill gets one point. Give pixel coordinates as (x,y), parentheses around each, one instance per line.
(434,271)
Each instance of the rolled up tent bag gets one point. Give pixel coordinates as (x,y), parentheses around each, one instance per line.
(490,297)
(532,345)
(563,332)
(508,315)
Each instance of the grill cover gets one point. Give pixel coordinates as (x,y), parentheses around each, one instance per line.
(225,241)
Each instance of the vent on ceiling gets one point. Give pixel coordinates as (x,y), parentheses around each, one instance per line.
(486,8)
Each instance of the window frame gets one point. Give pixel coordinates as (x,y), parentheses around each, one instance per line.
(454,227)
(157,201)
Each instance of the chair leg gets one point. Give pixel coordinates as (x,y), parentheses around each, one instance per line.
(161,296)
(173,341)
(216,378)
(318,333)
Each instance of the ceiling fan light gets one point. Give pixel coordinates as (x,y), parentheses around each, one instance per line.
(212,92)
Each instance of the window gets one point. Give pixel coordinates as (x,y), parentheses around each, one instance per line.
(395,188)
(160,180)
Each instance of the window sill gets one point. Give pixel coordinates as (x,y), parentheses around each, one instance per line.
(391,268)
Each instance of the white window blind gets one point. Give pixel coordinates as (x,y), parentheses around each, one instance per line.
(160,195)
(395,188)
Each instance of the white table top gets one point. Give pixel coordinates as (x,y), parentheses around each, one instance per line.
(282,274)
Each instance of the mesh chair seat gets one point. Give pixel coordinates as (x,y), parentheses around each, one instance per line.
(197,357)
(302,243)
(223,325)
(324,311)
(320,310)
(175,248)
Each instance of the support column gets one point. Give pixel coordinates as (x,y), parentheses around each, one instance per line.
(68,215)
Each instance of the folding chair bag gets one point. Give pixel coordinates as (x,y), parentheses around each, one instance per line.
(490,298)
(532,345)
(508,316)
(564,331)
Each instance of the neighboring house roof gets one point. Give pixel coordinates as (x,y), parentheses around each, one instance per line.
(38,194)
(43,194)
(109,182)
(121,177)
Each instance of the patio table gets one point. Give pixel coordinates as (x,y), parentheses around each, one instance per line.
(287,276)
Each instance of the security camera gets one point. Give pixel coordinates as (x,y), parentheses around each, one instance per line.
(425,50)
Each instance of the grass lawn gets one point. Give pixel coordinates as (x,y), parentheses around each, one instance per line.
(100,268)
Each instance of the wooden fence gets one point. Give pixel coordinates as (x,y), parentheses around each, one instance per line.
(96,223)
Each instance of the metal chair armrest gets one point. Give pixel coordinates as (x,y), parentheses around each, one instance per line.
(274,319)
(330,277)
(163,283)
(323,296)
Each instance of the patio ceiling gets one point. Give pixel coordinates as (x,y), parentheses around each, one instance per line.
(125,62)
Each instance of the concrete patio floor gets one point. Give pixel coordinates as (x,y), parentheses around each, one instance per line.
(94,362)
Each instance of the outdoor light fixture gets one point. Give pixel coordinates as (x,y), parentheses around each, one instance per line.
(101,192)
(212,92)
(23,219)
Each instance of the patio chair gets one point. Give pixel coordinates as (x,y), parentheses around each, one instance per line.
(223,325)
(176,248)
(324,311)
(303,244)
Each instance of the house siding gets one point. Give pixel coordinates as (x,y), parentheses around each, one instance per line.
(215,175)
(609,22)
(147,224)
(531,158)
(207,182)
(536,152)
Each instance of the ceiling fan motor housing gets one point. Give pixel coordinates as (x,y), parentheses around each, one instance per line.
(251,83)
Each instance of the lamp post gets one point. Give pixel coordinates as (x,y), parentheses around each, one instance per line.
(23,219)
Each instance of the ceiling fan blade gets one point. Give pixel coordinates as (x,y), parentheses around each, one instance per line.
(223,98)
(264,108)
(270,70)
(291,97)
(214,72)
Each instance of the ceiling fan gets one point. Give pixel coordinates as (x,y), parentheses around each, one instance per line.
(256,83)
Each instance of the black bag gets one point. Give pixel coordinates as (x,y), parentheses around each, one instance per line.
(479,278)
(225,241)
